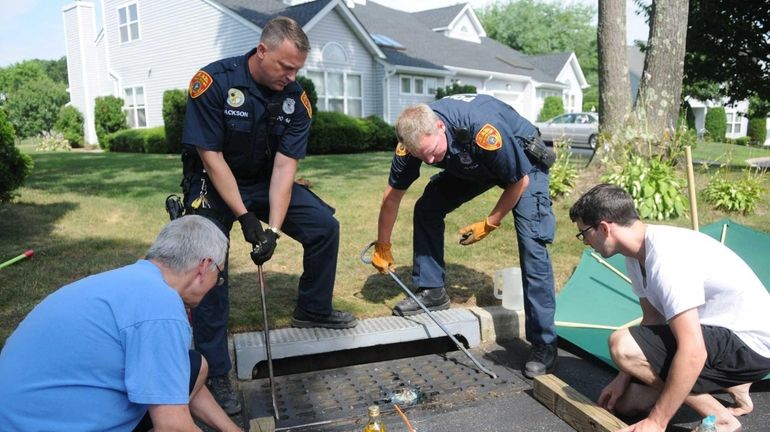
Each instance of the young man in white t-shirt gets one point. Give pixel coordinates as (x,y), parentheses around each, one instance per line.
(705,322)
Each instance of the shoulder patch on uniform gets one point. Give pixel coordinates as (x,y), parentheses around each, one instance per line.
(306,101)
(489,138)
(401,150)
(200,83)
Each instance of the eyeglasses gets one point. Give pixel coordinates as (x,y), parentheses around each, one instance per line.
(221,278)
(582,234)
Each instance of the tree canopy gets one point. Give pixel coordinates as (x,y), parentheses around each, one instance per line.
(32,92)
(728,49)
(535,27)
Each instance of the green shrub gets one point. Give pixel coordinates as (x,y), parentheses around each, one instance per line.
(552,106)
(70,124)
(309,87)
(383,136)
(108,117)
(333,132)
(757,130)
(152,140)
(127,141)
(455,88)
(52,142)
(562,173)
(653,184)
(155,140)
(742,141)
(734,196)
(14,165)
(689,116)
(174,107)
(716,124)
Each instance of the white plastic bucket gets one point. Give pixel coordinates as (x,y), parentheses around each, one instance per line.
(508,288)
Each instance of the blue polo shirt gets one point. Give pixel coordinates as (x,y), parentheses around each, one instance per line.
(485,143)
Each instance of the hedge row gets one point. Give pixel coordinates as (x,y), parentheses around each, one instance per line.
(330,132)
(333,132)
(151,140)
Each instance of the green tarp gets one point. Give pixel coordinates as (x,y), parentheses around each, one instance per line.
(596,296)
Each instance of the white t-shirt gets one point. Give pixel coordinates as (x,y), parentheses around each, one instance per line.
(687,269)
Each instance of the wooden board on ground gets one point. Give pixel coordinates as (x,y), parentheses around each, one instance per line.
(262,424)
(571,406)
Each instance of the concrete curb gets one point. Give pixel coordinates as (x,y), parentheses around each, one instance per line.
(498,324)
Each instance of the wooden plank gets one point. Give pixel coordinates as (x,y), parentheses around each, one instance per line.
(262,424)
(571,406)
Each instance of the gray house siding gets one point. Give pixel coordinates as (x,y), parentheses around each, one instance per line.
(171,52)
(332,29)
(176,38)
(397,100)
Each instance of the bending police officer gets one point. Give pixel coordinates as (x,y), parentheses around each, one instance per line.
(246,126)
(479,142)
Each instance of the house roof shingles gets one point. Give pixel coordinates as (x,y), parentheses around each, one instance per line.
(439,18)
(423,43)
(260,12)
(550,64)
(424,47)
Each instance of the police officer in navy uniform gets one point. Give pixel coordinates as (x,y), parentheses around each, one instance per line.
(479,142)
(246,126)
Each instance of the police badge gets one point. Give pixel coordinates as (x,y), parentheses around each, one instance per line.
(288,106)
(235,97)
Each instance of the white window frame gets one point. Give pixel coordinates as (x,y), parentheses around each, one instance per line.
(323,98)
(334,46)
(734,123)
(412,80)
(132,108)
(129,23)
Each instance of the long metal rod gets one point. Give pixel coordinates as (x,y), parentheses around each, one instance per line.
(459,345)
(266,331)
(319,423)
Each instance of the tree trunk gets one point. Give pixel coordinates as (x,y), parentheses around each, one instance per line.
(660,88)
(614,87)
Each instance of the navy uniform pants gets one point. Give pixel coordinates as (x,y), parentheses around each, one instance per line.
(535,229)
(309,221)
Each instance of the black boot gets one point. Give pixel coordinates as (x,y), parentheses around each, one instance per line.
(435,299)
(542,359)
(335,320)
(223,393)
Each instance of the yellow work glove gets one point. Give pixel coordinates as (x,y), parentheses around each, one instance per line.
(475,232)
(382,259)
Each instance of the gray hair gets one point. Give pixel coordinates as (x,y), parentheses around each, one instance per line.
(184,242)
(282,28)
(414,122)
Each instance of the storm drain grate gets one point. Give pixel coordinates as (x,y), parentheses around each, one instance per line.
(342,395)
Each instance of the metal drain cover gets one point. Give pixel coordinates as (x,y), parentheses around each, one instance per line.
(342,395)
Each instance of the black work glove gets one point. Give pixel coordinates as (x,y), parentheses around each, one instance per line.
(263,250)
(252,228)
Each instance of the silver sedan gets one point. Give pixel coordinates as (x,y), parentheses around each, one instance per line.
(577,129)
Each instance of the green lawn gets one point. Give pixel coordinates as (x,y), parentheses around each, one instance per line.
(86,212)
(730,154)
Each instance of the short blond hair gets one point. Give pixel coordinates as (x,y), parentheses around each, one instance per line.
(414,122)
